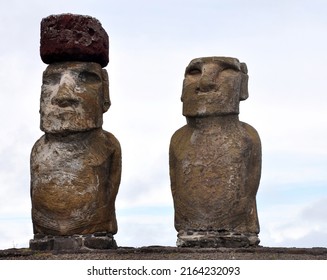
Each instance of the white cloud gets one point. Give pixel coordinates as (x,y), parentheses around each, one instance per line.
(146,230)
(15,232)
(295,225)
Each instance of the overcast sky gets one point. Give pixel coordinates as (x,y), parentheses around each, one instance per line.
(284,46)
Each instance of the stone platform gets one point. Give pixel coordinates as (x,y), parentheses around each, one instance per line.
(169,253)
(99,240)
(216,239)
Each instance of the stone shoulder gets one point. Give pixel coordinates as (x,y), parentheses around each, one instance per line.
(251,131)
(179,133)
(111,139)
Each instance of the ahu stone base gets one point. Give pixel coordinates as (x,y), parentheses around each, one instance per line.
(216,239)
(99,240)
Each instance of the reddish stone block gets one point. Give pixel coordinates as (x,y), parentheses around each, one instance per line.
(69,37)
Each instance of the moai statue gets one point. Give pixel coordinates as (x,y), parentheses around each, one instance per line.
(75,165)
(215,160)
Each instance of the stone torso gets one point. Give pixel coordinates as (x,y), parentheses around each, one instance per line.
(72,188)
(211,169)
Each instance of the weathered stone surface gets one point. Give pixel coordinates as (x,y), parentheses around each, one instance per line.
(216,239)
(66,243)
(171,253)
(75,165)
(215,160)
(41,244)
(69,37)
(74,242)
(74,183)
(74,97)
(100,242)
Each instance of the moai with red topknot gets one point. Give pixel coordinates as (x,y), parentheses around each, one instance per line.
(75,165)
(215,160)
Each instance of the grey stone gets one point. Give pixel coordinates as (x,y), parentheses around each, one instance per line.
(73,243)
(66,243)
(216,239)
(100,242)
(44,244)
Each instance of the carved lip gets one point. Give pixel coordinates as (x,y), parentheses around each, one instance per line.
(214,91)
(65,110)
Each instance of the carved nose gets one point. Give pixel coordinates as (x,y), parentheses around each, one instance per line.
(207,83)
(65,95)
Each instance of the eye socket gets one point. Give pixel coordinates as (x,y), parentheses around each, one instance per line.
(89,77)
(229,66)
(51,79)
(193,71)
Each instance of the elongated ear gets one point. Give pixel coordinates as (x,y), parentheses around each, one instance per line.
(105,91)
(183,88)
(244,94)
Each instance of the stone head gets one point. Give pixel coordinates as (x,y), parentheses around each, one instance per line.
(74,97)
(214,86)
(75,88)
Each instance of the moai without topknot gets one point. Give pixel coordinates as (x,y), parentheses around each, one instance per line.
(215,160)
(75,165)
